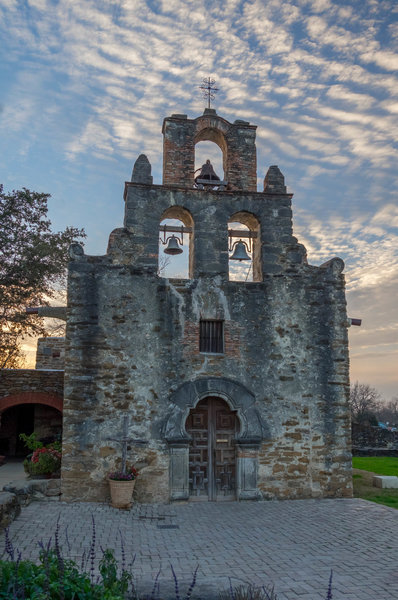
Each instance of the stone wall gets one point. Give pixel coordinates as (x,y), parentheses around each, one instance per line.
(47,422)
(132,345)
(50,353)
(21,493)
(14,382)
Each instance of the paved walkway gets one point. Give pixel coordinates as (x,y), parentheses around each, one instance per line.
(291,544)
(12,470)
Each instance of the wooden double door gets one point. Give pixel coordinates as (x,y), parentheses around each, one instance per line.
(212,426)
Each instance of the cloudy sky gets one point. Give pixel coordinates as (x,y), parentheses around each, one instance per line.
(85,85)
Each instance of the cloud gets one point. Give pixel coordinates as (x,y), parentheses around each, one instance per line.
(340,92)
(387,216)
(89,83)
(387,60)
(370,253)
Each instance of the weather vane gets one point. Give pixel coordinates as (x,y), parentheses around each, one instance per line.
(208,89)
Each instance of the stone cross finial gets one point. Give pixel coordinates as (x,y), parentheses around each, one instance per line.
(124,440)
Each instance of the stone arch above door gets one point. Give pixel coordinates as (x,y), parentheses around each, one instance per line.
(53,400)
(252,432)
(235,394)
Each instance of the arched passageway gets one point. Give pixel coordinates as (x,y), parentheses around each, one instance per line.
(27,412)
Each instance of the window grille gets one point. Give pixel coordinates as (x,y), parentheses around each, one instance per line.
(211,337)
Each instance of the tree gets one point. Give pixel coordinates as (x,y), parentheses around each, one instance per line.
(33,262)
(365,403)
(164,262)
(388,412)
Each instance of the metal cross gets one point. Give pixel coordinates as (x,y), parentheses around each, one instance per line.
(126,440)
(208,89)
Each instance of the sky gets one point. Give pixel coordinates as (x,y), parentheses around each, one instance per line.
(85,85)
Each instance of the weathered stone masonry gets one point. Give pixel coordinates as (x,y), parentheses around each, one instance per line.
(132,337)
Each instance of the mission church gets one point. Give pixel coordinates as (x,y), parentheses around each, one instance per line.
(236,385)
(239,388)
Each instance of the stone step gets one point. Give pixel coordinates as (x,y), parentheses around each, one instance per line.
(385,481)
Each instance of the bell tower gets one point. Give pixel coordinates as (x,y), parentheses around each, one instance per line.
(236,140)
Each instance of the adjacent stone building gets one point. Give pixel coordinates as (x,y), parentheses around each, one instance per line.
(32,399)
(240,388)
(50,353)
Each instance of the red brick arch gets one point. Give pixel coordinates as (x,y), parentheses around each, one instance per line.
(31,398)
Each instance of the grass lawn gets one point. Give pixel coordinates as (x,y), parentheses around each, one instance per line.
(364,467)
(382,465)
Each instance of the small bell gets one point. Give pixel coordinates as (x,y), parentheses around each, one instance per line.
(240,252)
(172,246)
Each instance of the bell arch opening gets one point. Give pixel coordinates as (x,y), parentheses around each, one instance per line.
(244,247)
(215,136)
(176,244)
(207,150)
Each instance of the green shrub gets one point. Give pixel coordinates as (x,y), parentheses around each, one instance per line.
(58,579)
(31,441)
(44,460)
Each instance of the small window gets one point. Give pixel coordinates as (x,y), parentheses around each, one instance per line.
(56,354)
(47,351)
(211,337)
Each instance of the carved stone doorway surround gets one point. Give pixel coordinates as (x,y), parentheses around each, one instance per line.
(248,439)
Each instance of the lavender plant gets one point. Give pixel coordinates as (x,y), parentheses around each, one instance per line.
(247,591)
(329,595)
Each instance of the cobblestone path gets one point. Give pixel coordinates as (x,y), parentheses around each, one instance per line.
(292,544)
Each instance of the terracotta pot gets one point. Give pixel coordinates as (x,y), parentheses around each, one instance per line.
(121,493)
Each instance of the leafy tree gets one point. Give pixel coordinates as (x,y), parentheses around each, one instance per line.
(365,403)
(33,262)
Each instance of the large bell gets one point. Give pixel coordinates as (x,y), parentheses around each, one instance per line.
(240,252)
(172,246)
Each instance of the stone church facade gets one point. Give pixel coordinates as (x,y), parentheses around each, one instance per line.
(240,388)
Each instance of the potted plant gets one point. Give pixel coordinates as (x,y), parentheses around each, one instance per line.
(121,485)
(44,461)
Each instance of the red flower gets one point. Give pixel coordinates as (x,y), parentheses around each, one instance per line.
(36,454)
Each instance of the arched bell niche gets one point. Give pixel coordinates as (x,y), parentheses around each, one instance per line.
(244,242)
(176,244)
(208,150)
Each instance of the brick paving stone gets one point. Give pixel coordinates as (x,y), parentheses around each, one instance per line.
(292,544)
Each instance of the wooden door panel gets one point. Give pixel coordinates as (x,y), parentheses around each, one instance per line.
(212,455)
(225,463)
(197,427)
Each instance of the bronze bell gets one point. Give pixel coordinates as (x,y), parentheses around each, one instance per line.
(240,252)
(172,246)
